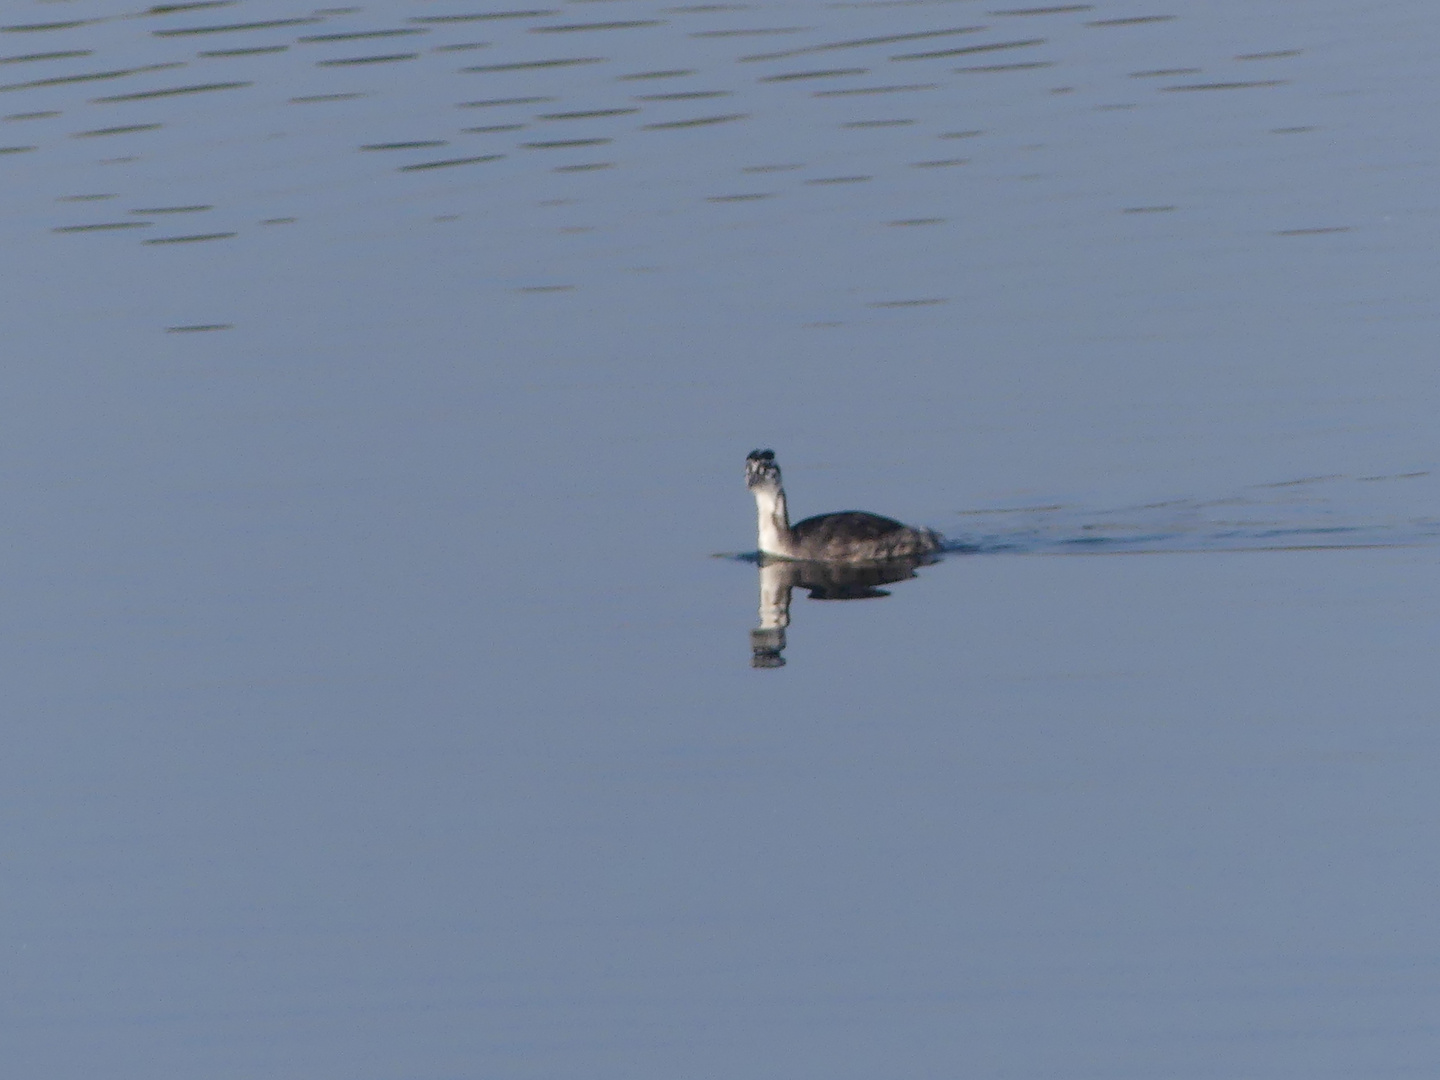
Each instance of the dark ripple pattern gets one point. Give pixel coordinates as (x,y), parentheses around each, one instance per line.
(677,55)
(1309,513)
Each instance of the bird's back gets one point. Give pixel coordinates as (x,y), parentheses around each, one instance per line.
(856,536)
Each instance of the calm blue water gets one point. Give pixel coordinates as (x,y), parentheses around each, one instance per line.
(369,420)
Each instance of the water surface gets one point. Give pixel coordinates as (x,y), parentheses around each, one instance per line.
(378,383)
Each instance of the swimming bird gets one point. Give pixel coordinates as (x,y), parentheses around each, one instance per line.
(848,536)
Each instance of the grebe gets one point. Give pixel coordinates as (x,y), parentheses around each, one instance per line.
(849,536)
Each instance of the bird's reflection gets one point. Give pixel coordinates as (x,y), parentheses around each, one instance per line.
(826,581)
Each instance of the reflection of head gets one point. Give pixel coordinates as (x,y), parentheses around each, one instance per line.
(767,648)
(761,472)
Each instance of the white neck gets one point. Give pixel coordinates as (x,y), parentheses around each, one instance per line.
(775,538)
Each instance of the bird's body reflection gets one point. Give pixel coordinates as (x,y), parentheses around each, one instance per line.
(826,581)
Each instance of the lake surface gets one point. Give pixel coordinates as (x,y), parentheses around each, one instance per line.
(378,383)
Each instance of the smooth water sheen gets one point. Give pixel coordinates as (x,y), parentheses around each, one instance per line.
(378,383)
